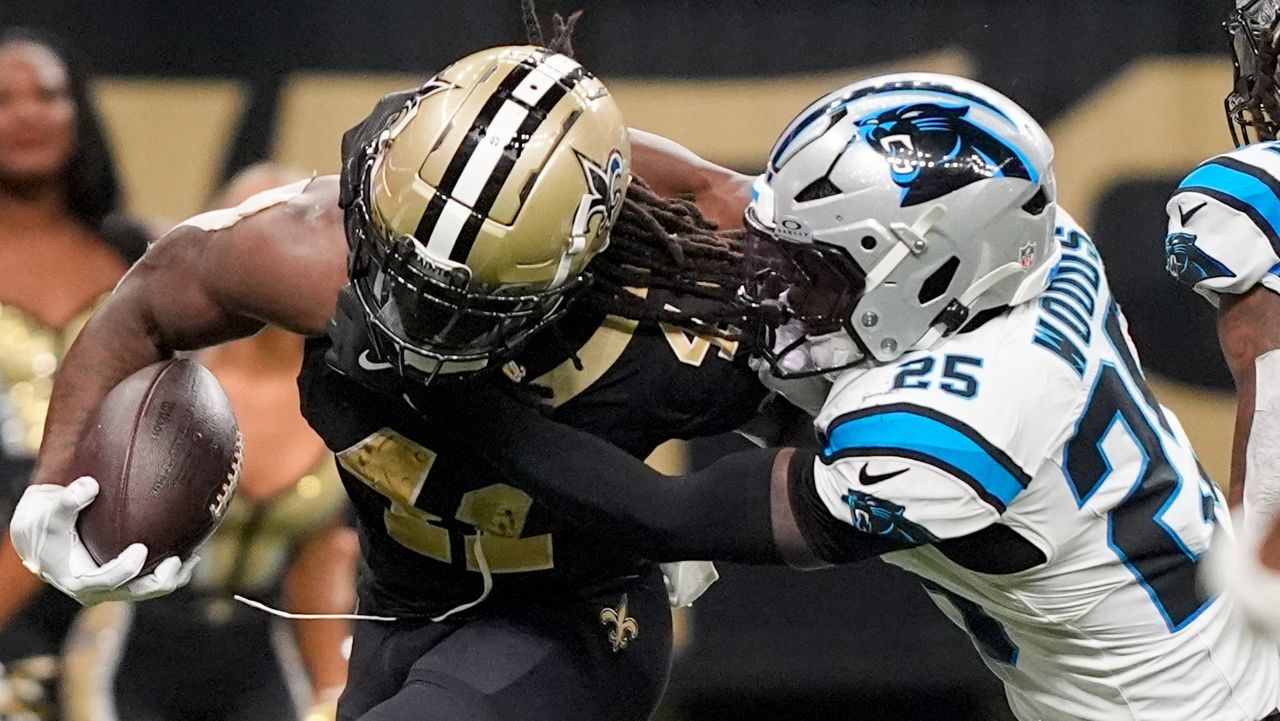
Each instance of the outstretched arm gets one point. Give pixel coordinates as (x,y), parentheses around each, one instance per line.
(723,512)
(757,506)
(673,170)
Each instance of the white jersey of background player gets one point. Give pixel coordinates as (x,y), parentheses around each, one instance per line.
(1224,241)
(1053,508)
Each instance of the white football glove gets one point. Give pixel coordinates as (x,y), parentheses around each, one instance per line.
(43,530)
(1234,567)
(688,580)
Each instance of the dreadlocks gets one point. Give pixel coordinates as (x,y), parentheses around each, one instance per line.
(657,242)
(1264,89)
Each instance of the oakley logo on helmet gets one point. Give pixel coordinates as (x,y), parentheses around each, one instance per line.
(603,197)
(1188,263)
(934,149)
(793,230)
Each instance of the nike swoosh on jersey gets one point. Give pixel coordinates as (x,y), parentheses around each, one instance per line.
(869,479)
(370,365)
(1185,215)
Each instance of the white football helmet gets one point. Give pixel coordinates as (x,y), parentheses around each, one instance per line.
(903,206)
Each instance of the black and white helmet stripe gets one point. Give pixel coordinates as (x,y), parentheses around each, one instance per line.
(480,166)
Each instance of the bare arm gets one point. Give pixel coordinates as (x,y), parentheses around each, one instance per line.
(321,579)
(1248,327)
(194,288)
(17,584)
(672,169)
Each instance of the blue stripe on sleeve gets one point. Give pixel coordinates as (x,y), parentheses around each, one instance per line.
(1250,193)
(918,433)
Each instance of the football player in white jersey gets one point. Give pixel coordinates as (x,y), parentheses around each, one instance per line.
(989,428)
(1224,241)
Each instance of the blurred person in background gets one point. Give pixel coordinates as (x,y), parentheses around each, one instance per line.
(63,246)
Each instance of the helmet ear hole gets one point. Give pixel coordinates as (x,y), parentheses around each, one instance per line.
(1037,203)
(937,283)
(820,188)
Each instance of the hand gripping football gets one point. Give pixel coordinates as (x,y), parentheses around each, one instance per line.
(166,450)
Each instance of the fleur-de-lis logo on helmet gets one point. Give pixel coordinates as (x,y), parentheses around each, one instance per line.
(603,197)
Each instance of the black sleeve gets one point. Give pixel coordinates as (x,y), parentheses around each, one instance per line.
(829,538)
(719,513)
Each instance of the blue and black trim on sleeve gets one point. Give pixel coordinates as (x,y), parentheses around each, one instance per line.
(830,538)
(1246,188)
(910,431)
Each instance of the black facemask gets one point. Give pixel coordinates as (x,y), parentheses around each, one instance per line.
(815,285)
(1253,106)
(425,320)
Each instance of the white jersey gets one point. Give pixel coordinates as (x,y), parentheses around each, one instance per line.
(1083,510)
(1224,223)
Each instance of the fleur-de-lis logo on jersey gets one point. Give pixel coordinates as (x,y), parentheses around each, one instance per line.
(603,197)
(622,628)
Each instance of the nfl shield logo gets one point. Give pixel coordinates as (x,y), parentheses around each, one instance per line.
(1027,255)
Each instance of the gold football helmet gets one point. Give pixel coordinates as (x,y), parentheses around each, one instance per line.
(481,200)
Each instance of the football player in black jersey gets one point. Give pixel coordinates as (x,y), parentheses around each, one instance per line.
(472,215)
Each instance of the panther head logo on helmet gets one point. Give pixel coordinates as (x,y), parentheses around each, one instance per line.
(934,149)
(902,206)
(603,197)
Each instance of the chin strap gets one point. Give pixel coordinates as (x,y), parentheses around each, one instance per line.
(577,244)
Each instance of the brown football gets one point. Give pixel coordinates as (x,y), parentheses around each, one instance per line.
(166,450)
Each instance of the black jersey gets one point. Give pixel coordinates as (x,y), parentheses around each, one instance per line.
(431,517)
(435,521)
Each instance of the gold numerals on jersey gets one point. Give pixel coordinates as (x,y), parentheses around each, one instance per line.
(397,468)
(499,513)
(692,349)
